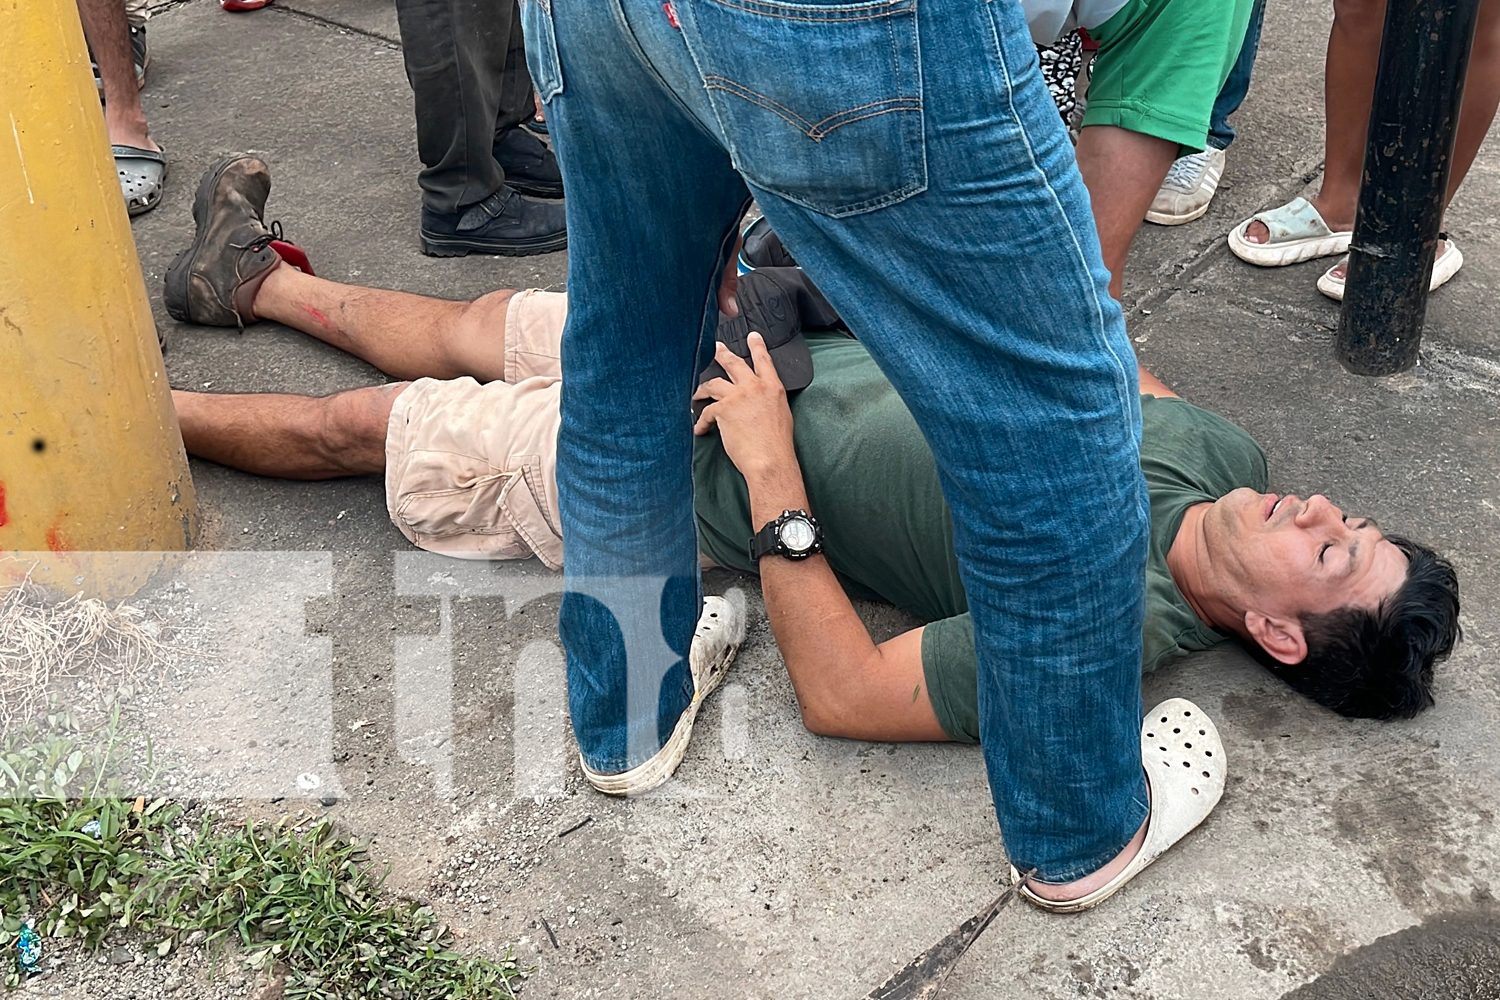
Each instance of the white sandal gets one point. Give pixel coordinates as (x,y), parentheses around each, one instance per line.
(721,629)
(1444,266)
(1296,233)
(1184,762)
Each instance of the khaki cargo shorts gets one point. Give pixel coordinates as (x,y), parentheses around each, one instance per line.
(471,470)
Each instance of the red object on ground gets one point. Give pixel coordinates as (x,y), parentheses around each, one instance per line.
(290,252)
(239,5)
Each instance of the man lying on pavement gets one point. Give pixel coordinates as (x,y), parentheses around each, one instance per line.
(835,483)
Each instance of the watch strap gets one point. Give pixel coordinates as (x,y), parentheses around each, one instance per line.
(765,541)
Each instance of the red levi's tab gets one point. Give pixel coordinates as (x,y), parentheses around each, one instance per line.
(671,15)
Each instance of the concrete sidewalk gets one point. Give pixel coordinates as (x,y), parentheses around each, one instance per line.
(780,864)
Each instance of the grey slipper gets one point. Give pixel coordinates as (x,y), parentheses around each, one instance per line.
(142,172)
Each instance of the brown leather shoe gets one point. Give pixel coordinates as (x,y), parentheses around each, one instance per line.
(214,281)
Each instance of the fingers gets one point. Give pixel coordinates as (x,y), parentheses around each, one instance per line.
(706,420)
(761,355)
(734,366)
(714,388)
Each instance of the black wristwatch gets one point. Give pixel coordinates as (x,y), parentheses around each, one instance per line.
(796,534)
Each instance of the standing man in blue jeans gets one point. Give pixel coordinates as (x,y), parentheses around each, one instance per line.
(931,193)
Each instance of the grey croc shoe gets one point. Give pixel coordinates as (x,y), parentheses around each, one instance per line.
(142,174)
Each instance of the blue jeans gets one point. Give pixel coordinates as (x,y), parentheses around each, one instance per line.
(933,197)
(1237,85)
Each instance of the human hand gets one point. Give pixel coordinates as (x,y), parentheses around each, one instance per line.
(750,410)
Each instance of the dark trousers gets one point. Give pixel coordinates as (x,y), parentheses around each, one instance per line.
(466,62)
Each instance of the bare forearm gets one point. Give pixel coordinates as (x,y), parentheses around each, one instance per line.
(819,632)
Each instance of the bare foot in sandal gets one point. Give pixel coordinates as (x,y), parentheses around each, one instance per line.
(1341,270)
(1338,221)
(1183,757)
(1066,891)
(128,129)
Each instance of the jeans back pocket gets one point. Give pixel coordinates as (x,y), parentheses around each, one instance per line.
(819,103)
(541,48)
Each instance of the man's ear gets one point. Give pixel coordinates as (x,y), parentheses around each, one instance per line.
(1281,637)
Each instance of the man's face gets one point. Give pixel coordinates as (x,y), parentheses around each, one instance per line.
(1286,557)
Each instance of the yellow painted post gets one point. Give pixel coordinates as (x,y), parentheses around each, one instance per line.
(91,458)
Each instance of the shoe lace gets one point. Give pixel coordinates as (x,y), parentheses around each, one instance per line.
(264,239)
(1186,169)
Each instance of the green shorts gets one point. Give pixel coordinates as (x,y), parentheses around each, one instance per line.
(1161,65)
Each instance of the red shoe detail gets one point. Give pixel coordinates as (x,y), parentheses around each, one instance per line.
(291,252)
(239,5)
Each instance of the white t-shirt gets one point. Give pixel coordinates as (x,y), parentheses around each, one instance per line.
(1051,19)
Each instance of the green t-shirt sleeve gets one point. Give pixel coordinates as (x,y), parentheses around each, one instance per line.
(951,669)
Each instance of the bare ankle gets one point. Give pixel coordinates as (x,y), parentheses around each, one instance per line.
(1337,212)
(129,130)
(1065,891)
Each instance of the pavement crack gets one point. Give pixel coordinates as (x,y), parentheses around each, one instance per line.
(1213,249)
(328,22)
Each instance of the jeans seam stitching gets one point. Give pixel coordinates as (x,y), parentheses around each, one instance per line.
(813,130)
(892,9)
(1072,233)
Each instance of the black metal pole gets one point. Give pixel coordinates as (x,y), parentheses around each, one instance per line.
(1419,86)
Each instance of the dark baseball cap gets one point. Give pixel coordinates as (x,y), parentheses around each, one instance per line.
(778,303)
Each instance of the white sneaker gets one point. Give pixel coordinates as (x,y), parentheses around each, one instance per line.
(721,629)
(1188,189)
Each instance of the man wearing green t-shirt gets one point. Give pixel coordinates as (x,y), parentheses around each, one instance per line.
(1351,617)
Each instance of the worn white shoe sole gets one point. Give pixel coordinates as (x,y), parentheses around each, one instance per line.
(1444,267)
(1184,762)
(1287,251)
(721,630)
(1208,186)
(1176,218)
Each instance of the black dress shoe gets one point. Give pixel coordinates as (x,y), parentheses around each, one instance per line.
(529,163)
(506,224)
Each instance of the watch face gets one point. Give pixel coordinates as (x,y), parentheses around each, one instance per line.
(797,535)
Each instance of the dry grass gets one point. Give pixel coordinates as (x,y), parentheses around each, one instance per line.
(48,644)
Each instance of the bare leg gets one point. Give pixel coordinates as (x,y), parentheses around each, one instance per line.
(1093,880)
(108,32)
(1349,88)
(1123,170)
(292,437)
(406,336)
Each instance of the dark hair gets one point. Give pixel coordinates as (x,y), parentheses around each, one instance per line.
(1378,664)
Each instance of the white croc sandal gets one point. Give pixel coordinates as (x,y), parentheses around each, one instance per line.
(1297,233)
(1184,762)
(1444,266)
(721,629)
